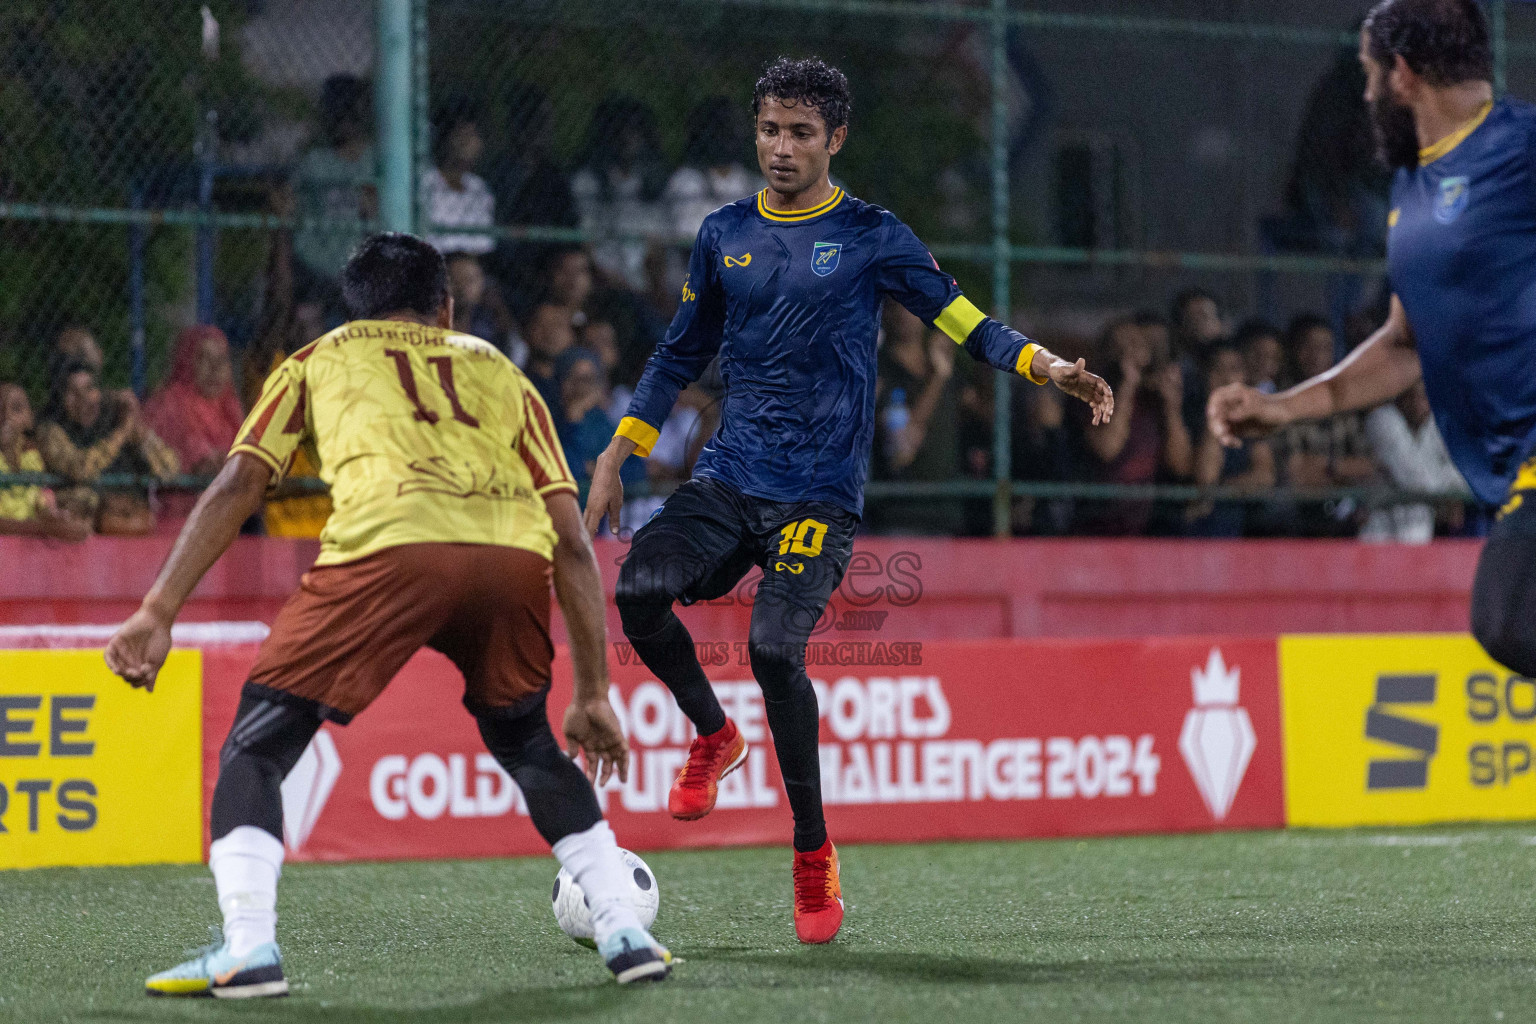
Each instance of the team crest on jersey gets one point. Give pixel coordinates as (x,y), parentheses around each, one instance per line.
(1454,193)
(824,257)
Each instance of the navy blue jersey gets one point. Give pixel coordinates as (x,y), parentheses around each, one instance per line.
(1461,254)
(791,302)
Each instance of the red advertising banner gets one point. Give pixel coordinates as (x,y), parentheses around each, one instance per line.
(919,741)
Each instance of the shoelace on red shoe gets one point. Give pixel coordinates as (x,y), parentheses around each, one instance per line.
(813,890)
(703,760)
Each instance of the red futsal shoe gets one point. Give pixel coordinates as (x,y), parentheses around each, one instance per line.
(818,895)
(710,759)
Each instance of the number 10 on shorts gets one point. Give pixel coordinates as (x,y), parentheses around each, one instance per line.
(802,538)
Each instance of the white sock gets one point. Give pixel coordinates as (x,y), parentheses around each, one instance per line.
(246,864)
(592,858)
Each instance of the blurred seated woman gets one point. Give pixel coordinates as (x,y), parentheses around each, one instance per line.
(196,411)
(96,435)
(28,510)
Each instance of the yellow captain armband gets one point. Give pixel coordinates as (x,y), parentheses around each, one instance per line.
(1026,363)
(642,433)
(959,319)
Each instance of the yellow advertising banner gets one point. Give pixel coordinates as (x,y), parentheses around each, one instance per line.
(1404,729)
(93,771)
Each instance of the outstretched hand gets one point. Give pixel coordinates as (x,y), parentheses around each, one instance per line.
(593,729)
(139,648)
(1235,411)
(1075,380)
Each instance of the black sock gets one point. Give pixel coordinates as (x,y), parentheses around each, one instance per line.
(794,725)
(790,703)
(669,653)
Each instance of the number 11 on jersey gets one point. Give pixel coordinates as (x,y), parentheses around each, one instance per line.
(443,365)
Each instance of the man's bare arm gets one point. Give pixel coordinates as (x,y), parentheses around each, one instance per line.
(590,723)
(234,496)
(139,647)
(1383,367)
(579,589)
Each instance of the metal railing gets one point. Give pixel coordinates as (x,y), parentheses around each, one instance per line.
(1372,496)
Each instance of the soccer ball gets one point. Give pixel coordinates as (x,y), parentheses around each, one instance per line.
(570,903)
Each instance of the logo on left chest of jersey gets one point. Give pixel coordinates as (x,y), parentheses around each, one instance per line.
(824,257)
(1452,198)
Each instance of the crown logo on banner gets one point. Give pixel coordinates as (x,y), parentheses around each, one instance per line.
(1217,740)
(1215,685)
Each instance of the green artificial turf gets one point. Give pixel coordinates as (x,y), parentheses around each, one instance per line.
(1411,925)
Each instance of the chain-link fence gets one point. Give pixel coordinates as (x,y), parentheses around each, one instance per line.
(1067,160)
(137,150)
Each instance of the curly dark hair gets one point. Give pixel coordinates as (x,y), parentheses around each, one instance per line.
(393,271)
(812,81)
(1444,41)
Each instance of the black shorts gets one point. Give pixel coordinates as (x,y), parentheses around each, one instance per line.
(1504,591)
(709,535)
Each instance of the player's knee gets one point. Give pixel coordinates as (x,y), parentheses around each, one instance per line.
(270,732)
(516,740)
(644,599)
(1501,623)
(779,666)
(519,737)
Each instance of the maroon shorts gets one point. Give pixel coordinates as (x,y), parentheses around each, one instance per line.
(351,627)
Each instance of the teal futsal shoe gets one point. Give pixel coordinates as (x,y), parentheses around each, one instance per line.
(214,972)
(632,955)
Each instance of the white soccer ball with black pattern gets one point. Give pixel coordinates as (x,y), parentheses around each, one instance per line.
(570,903)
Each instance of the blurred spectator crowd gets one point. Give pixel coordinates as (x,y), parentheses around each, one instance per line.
(935,414)
(581,319)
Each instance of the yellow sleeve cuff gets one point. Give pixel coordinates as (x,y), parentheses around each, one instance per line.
(260,454)
(959,319)
(642,433)
(1026,360)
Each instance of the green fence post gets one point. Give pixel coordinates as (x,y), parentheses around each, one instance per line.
(1002,405)
(392,108)
(422,135)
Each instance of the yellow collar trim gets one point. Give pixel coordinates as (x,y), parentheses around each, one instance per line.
(815,211)
(1429,154)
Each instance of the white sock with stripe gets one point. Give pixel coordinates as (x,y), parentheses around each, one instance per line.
(592,858)
(246,865)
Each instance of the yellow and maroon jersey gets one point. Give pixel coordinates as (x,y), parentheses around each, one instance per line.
(423,435)
(298,515)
